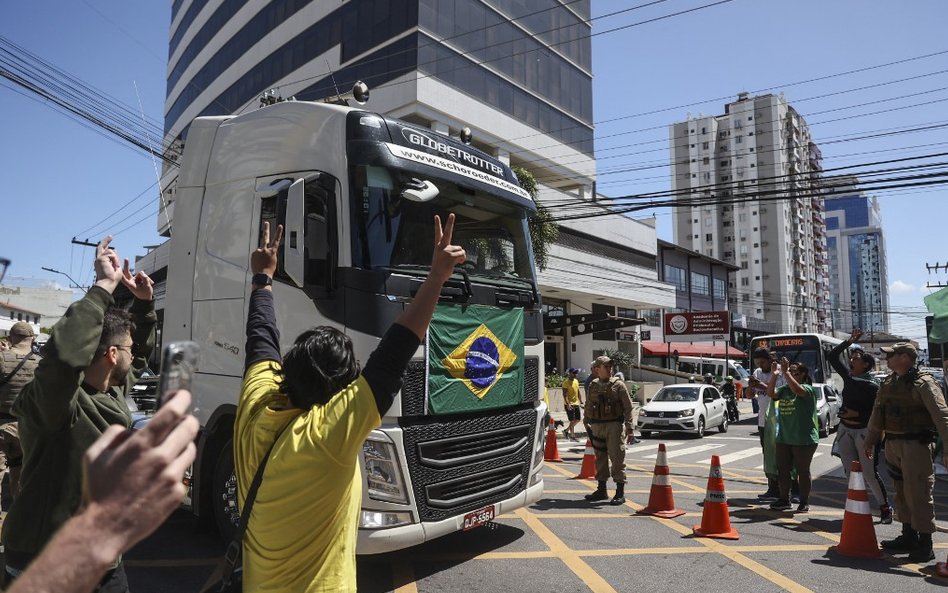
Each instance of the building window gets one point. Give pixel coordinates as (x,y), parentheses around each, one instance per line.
(705,145)
(704,130)
(675,275)
(708,237)
(699,284)
(706,161)
(745,281)
(720,289)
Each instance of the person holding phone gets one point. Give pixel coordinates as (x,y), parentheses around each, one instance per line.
(315,408)
(797,436)
(95,354)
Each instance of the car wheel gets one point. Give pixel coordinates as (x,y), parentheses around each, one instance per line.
(699,432)
(645,433)
(824,428)
(723,426)
(226,511)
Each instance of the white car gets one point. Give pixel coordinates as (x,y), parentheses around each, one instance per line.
(687,407)
(828,403)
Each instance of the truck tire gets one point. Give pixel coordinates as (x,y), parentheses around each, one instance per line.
(224,494)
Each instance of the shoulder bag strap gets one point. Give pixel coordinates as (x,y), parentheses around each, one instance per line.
(6,379)
(235,548)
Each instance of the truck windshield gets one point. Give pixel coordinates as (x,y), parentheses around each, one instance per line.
(394,233)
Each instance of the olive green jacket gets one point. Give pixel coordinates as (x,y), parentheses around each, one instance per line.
(60,417)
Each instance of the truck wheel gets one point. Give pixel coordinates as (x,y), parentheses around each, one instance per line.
(224,494)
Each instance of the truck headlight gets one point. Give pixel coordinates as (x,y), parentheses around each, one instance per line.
(382,472)
(381,519)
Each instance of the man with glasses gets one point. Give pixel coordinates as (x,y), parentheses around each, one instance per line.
(910,411)
(94,356)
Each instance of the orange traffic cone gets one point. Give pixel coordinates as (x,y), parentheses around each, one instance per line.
(588,469)
(859,536)
(715,521)
(552,453)
(661,500)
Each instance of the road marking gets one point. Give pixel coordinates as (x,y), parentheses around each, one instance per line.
(688,451)
(736,456)
(567,556)
(403,576)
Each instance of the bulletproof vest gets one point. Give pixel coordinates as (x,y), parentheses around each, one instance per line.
(10,389)
(604,400)
(900,403)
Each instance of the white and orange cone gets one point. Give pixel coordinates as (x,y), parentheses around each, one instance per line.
(551,452)
(859,534)
(661,499)
(588,470)
(715,518)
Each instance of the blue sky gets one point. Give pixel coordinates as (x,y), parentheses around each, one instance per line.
(61,179)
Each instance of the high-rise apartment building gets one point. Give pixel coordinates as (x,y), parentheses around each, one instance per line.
(859,295)
(519,74)
(748,183)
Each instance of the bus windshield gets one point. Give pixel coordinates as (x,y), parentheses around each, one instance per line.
(394,233)
(808,350)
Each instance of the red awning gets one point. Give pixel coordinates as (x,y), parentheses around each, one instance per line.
(650,348)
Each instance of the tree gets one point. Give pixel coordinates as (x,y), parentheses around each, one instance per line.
(543,229)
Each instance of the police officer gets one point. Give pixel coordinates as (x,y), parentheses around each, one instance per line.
(910,411)
(17,364)
(608,411)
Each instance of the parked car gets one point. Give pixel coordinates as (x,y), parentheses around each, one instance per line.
(687,407)
(828,402)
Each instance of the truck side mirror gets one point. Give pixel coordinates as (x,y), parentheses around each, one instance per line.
(293,256)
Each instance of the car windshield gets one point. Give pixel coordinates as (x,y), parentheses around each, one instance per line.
(676,394)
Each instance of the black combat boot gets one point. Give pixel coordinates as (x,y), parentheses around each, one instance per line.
(923,551)
(907,542)
(619,498)
(599,494)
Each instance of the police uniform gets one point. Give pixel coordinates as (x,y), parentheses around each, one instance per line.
(608,411)
(910,411)
(19,358)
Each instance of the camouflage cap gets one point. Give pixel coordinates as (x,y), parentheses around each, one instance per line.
(900,348)
(602,361)
(22,329)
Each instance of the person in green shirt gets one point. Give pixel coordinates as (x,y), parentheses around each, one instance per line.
(797,434)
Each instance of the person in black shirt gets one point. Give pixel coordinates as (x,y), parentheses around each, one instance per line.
(859,395)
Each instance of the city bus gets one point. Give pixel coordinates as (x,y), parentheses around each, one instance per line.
(813,350)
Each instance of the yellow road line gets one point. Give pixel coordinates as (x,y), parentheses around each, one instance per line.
(403,575)
(567,556)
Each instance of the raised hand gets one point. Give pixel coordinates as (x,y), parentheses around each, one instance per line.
(140,285)
(854,337)
(264,259)
(446,255)
(774,367)
(108,270)
(133,481)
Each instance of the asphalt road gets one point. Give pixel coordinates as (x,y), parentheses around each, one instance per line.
(563,543)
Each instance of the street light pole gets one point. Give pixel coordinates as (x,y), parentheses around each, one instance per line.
(77,285)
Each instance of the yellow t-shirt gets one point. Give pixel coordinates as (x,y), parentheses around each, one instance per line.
(571,391)
(301,536)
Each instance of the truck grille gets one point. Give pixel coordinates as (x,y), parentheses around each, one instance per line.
(413,385)
(462,464)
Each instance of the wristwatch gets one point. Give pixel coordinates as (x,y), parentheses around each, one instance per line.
(261,280)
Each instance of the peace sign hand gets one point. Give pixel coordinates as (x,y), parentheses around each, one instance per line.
(446,255)
(264,259)
(140,285)
(108,271)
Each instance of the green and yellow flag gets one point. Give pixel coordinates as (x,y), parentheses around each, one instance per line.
(937,304)
(475,358)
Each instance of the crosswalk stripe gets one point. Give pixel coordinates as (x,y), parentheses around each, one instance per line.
(735,456)
(653,444)
(815,455)
(688,451)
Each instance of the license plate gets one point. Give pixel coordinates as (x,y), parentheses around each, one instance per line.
(661,421)
(478,517)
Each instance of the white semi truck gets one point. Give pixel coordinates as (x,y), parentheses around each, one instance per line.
(356,193)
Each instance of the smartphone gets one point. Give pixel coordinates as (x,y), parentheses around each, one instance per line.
(178,365)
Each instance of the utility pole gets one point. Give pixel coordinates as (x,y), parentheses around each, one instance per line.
(942,268)
(76,284)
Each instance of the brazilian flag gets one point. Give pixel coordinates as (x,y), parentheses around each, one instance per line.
(475,358)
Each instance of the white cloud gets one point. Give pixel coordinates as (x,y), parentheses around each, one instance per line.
(900,287)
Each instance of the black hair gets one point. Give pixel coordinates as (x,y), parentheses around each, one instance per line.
(806,371)
(115,322)
(761,353)
(868,359)
(319,364)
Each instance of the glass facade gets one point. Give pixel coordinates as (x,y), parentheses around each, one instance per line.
(473,32)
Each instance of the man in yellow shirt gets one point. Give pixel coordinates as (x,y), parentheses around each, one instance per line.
(301,534)
(572,402)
